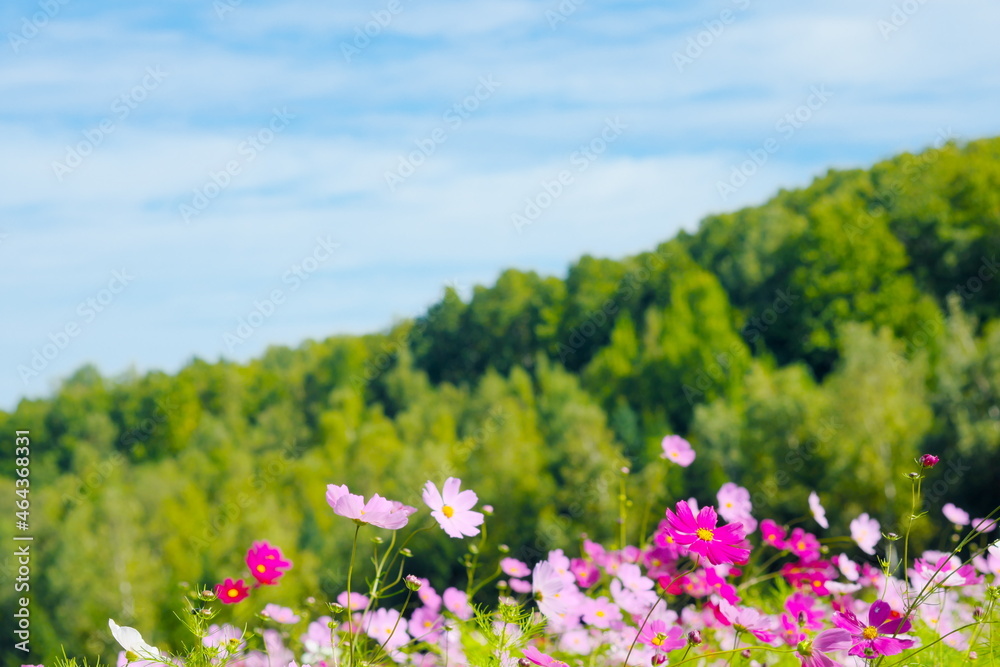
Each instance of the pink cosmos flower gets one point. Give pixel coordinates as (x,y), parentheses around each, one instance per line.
(512,567)
(865,531)
(773,534)
(874,639)
(803,544)
(601,613)
(453,508)
(818,511)
(662,639)
(984,525)
(538,658)
(946,570)
(426,624)
(734,501)
(719,584)
(748,619)
(387,627)
(457,602)
(267,564)
(279,614)
(378,511)
(956,515)
(519,585)
(677,450)
(231,592)
(722,544)
(356,601)
(813,654)
(587,574)
(222,635)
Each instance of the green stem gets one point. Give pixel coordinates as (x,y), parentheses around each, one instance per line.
(350,575)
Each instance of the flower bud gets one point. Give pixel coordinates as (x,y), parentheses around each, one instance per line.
(207,595)
(406,553)
(928,461)
(978,613)
(504,549)
(694,638)
(412,582)
(659,659)
(336,608)
(745,654)
(913,475)
(488,510)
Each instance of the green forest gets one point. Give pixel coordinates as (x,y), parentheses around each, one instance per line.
(819,341)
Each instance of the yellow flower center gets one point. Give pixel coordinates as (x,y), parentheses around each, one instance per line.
(599,613)
(233,592)
(674,454)
(448,511)
(658,639)
(261,568)
(705,534)
(871,632)
(801,546)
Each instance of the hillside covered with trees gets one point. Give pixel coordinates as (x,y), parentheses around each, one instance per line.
(820,341)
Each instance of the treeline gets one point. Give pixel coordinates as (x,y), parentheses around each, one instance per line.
(819,341)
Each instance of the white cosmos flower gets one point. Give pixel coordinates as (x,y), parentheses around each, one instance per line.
(132,641)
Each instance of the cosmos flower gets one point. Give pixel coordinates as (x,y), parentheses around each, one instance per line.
(813,654)
(267,564)
(662,639)
(875,638)
(453,508)
(865,532)
(279,614)
(677,450)
(546,585)
(701,535)
(231,592)
(132,641)
(378,511)
(956,515)
(818,511)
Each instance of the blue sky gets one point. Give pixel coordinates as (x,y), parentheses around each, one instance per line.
(172,168)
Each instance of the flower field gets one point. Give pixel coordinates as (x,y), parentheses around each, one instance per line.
(711,585)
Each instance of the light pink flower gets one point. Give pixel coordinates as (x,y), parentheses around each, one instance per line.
(865,531)
(984,525)
(677,450)
(279,614)
(378,511)
(453,508)
(512,567)
(956,515)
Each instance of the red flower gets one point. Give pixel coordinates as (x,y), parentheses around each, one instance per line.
(722,544)
(231,592)
(266,563)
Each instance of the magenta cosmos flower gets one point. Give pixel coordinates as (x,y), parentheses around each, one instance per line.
(873,639)
(267,564)
(678,450)
(453,508)
(719,544)
(378,511)
(231,592)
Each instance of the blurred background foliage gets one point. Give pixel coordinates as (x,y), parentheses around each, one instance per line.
(819,341)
